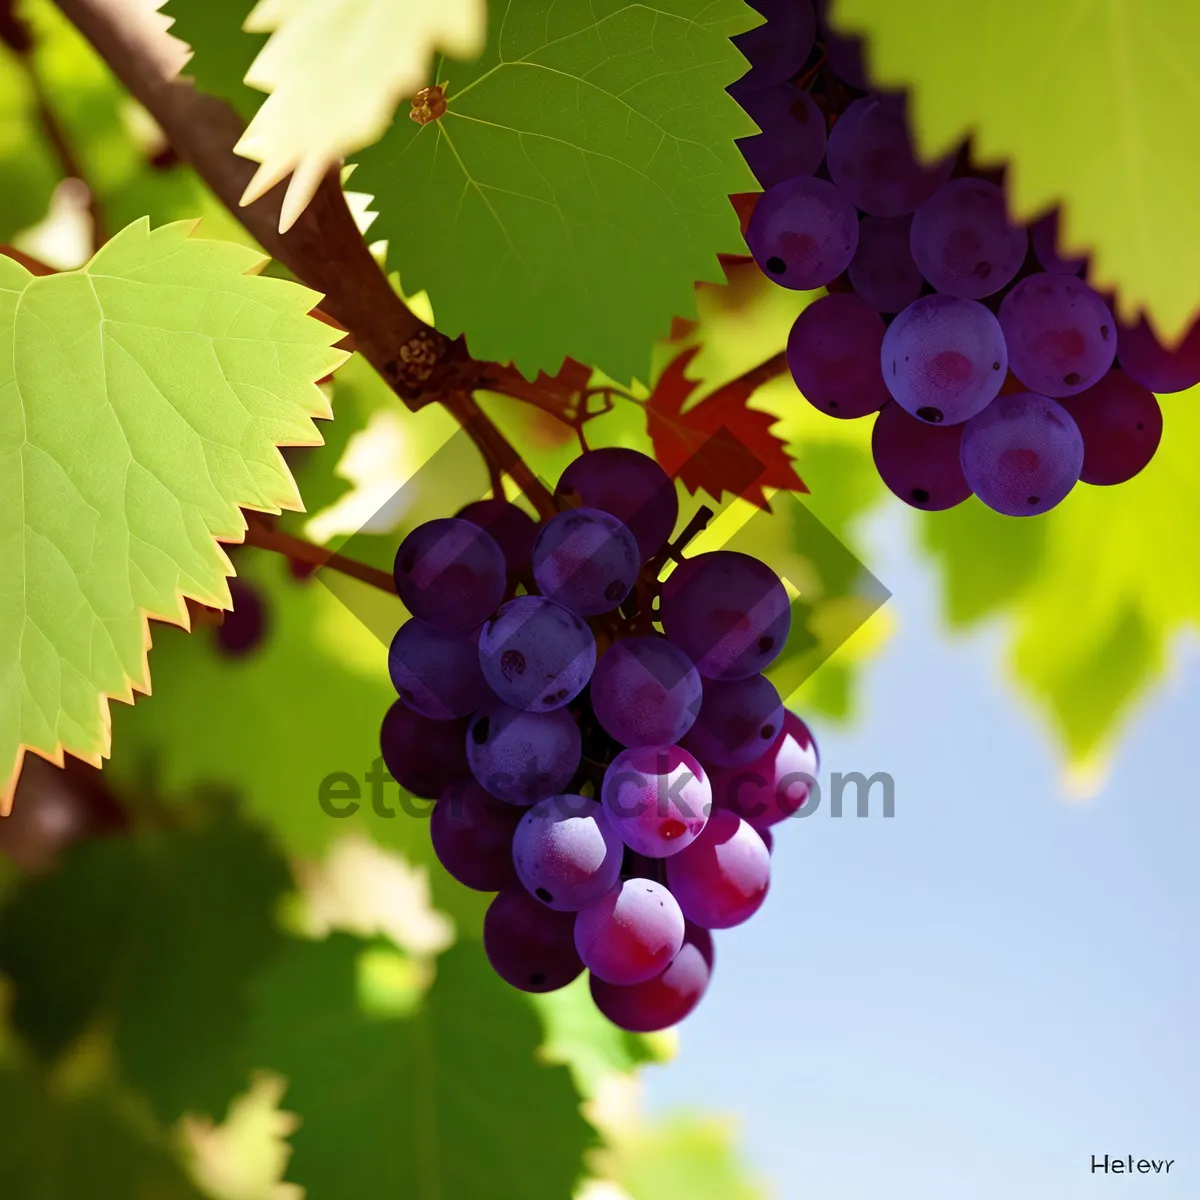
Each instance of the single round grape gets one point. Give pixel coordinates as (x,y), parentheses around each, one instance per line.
(631,933)
(450,574)
(1061,337)
(245,626)
(962,242)
(721,879)
(657,798)
(944,359)
(472,835)
(437,673)
(776,49)
(1023,454)
(513,529)
(774,786)
(1044,236)
(628,484)
(586,560)
(919,462)
(645,691)
(523,757)
(728,612)
(422,755)
(803,233)
(833,352)
(530,946)
(667,998)
(1121,425)
(737,723)
(566,852)
(882,270)
(792,141)
(1144,358)
(536,655)
(871,159)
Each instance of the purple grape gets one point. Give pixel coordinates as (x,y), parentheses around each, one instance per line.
(774,786)
(450,574)
(721,879)
(919,462)
(530,946)
(1044,236)
(1023,454)
(882,271)
(1061,337)
(422,755)
(777,49)
(728,612)
(1144,358)
(523,757)
(437,673)
(962,242)
(631,933)
(657,798)
(628,484)
(1121,425)
(244,627)
(803,233)
(844,54)
(833,352)
(737,723)
(586,560)
(472,835)
(944,359)
(645,691)
(792,141)
(513,529)
(536,655)
(871,159)
(566,852)
(666,999)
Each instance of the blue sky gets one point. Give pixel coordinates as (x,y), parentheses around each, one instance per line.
(974,997)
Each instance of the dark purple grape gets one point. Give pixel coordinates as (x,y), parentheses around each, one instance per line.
(424,756)
(472,835)
(437,673)
(833,352)
(722,878)
(1144,358)
(1121,424)
(776,50)
(845,54)
(450,574)
(882,271)
(513,529)
(792,141)
(803,233)
(530,946)
(1044,236)
(737,723)
(243,629)
(919,462)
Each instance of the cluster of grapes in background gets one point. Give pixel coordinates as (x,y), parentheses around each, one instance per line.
(992,365)
(604,751)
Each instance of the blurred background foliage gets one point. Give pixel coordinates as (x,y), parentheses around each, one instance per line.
(242,980)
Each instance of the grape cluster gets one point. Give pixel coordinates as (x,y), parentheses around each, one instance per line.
(992,365)
(602,748)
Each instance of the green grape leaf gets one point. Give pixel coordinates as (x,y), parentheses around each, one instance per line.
(1108,128)
(158,937)
(576,186)
(64,1149)
(145,396)
(28,171)
(1136,546)
(222,50)
(441,1102)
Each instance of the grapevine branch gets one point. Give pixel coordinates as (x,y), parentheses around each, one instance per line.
(266,537)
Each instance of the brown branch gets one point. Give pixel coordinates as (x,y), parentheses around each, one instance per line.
(264,537)
(775,366)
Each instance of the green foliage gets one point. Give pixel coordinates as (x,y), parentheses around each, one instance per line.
(1097,589)
(571,195)
(146,396)
(221,50)
(441,1103)
(27,169)
(1093,103)
(156,937)
(57,1148)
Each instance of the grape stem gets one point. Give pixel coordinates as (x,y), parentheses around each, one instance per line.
(266,537)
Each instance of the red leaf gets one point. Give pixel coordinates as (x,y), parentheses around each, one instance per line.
(722,444)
